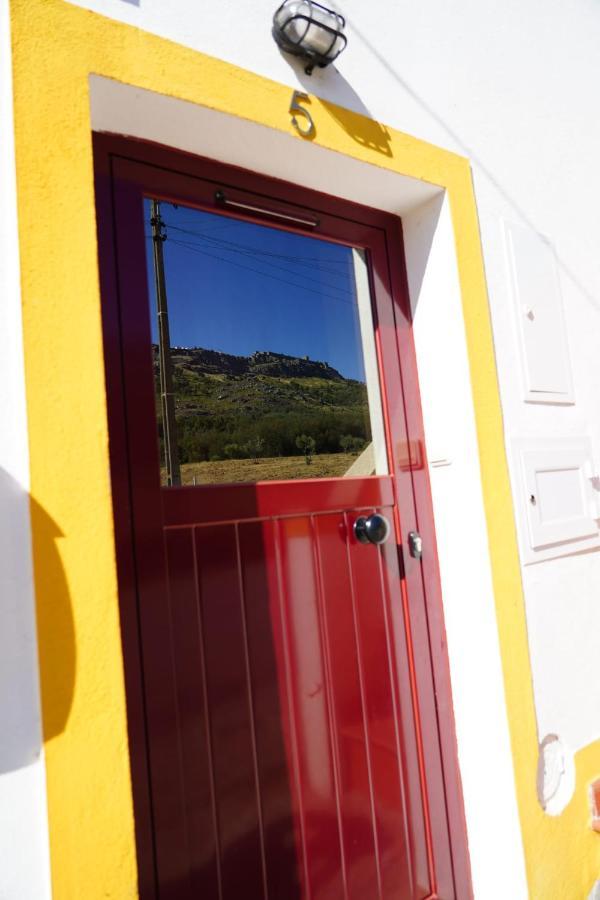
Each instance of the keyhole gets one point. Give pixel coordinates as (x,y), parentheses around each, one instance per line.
(532,499)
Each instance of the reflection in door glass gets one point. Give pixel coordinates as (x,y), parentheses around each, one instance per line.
(263,352)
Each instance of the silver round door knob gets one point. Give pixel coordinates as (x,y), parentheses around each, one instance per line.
(373,529)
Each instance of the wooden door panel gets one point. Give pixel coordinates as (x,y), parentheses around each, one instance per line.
(232,757)
(287,701)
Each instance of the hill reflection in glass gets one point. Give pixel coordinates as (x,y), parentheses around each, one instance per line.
(266,360)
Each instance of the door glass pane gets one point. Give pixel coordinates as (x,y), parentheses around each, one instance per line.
(263,352)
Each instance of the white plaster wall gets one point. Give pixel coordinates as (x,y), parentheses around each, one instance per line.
(484,750)
(513,86)
(24,857)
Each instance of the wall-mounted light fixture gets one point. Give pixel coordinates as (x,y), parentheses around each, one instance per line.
(309,30)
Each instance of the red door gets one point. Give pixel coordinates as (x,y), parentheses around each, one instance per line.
(284,734)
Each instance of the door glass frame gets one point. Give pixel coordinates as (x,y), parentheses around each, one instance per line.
(355,275)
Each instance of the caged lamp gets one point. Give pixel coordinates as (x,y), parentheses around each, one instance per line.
(309,30)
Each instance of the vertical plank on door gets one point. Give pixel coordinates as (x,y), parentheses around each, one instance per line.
(196,762)
(302,637)
(348,712)
(240,838)
(398,652)
(269,702)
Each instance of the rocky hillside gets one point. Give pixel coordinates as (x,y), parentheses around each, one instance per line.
(262,362)
(234,406)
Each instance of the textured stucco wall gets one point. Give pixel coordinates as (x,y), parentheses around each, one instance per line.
(474,80)
(24,856)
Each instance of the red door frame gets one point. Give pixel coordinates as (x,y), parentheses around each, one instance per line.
(421,587)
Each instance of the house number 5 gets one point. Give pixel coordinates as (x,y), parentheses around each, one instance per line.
(307,127)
